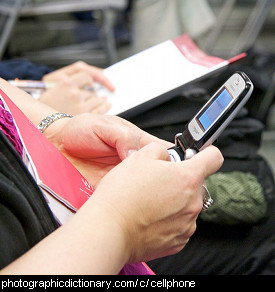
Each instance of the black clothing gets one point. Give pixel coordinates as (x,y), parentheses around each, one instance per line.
(25,218)
(224,250)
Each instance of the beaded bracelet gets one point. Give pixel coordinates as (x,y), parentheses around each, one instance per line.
(45,123)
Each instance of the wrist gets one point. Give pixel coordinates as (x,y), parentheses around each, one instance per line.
(108,240)
(52,125)
(47,121)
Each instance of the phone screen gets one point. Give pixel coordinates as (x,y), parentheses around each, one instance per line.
(213,110)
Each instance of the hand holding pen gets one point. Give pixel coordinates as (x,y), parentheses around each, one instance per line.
(95,73)
(70,89)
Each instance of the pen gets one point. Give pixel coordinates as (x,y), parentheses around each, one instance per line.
(29,85)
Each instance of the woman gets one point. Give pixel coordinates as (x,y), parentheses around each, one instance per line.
(143,207)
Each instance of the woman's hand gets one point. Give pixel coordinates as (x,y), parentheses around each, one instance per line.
(154,201)
(97,143)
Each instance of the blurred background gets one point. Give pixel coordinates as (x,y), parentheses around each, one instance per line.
(101,32)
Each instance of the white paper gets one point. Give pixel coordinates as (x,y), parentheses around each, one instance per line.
(149,74)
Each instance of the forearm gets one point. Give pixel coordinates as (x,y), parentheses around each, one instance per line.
(33,109)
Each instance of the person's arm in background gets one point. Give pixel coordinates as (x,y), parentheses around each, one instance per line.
(95,73)
(73,93)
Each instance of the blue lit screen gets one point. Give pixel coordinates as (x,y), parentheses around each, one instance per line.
(215,109)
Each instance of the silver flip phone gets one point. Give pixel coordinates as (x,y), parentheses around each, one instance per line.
(205,127)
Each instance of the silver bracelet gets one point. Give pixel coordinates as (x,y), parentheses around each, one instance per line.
(44,124)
